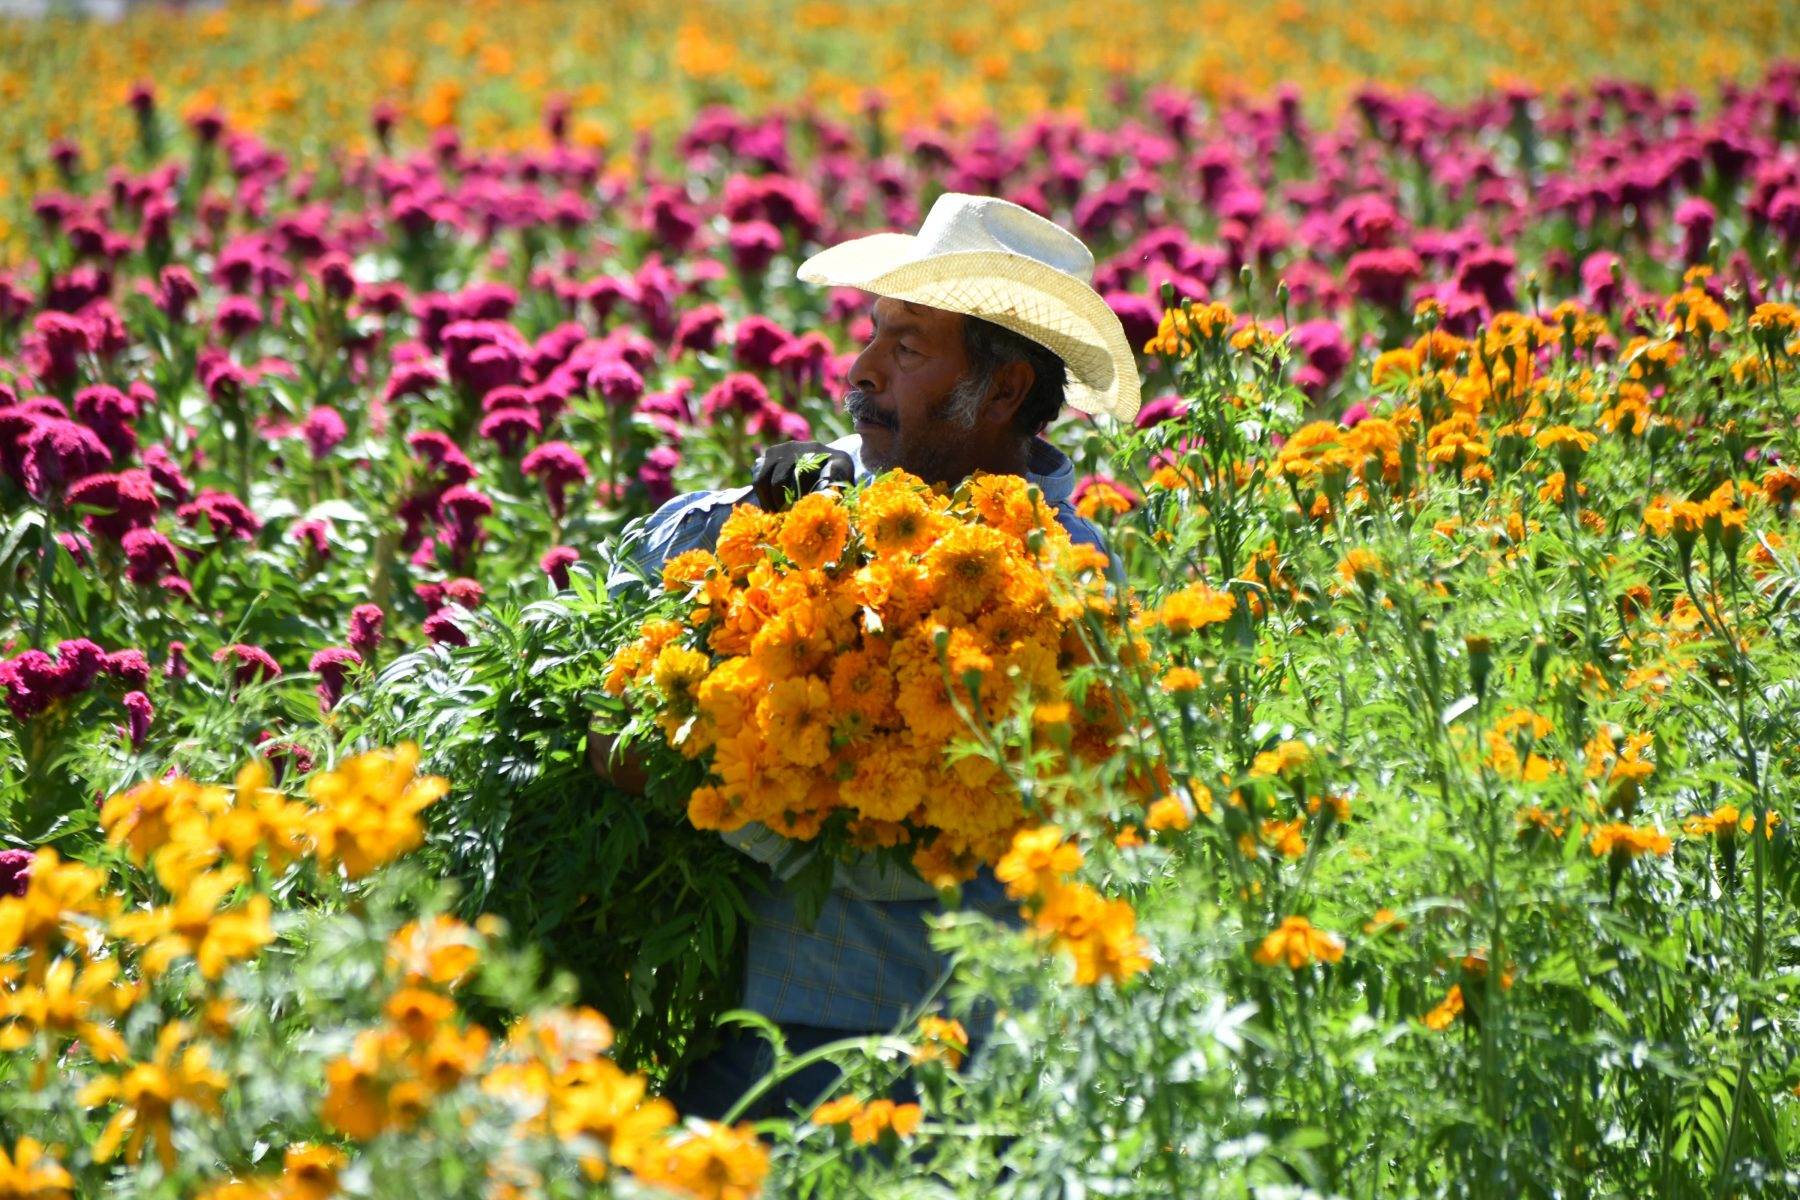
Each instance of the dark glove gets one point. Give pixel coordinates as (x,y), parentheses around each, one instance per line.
(780,476)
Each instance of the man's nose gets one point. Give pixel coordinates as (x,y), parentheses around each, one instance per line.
(863,375)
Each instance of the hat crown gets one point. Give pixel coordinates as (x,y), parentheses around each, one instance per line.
(959,224)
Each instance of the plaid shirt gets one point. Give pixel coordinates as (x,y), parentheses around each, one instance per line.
(868,958)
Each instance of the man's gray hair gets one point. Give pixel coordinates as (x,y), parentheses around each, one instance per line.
(990,347)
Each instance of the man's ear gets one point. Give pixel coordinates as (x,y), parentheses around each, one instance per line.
(1011,384)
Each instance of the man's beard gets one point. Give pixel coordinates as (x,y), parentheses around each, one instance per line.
(931,461)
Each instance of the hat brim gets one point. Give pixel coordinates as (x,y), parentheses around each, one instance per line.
(1035,300)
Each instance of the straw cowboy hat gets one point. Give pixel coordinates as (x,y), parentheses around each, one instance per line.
(992,259)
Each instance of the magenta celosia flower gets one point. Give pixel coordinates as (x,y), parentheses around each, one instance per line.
(57,453)
(60,339)
(110,413)
(698,329)
(176,292)
(753,245)
(138,714)
(447,460)
(1382,277)
(441,629)
(251,663)
(237,316)
(314,536)
(126,501)
(332,665)
(617,382)
(556,562)
(1139,314)
(175,666)
(336,277)
(605,293)
(166,472)
(1326,351)
(483,355)
(757,341)
(555,465)
(464,591)
(1163,408)
(129,666)
(148,556)
(1696,218)
(1487,272)
(430,594)
(657,473)
(15,872)
(226,514)
(323,429)
(365,629)
(509,429)
(283,756)
(738,393)
(462,508)
(412,379)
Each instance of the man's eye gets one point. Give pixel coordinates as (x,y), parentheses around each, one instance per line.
(903,348)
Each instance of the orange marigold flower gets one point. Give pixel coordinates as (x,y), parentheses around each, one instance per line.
(814,531)
(1181,679)
(1628,841)
(1451,1007)
(941,1039)
(718,1162)
(1193,608)
(1297,942)
(1038,861)
(1566,439)
(1170,812)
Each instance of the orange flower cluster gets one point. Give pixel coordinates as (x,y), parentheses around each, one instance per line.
(1297,943)
(826,658)
(869,1122)
(1098,934)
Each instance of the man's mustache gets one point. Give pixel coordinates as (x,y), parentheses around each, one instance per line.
(861,407)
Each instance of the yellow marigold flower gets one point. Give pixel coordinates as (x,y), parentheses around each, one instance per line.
(966,568)
(687,569)
(58,895)
(1181,680)
(1780,486)
(796,716)
(1193,608)
(68,1004)
(1297,942)
(717,1163)
(1169,812)
(146,1093)
(367,809)
(1566,439)
(1038,861)
(1451,1007)
(1776,318)
(894,516)
(193,926)
(743,536)
(597,1099)
(1628,841)
(1726,822)
(29,1173)
(1103,498)
(1692,310)
(1100,935)
(1385,919)
(438,950)
(839,1111)
(159,812)
(1394,364)
(311,1172)
(1284,836)
(677,673)
(1362,567)
(814,531)
(941,1039)
(1289,761)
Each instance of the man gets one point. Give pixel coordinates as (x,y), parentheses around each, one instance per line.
(984,326)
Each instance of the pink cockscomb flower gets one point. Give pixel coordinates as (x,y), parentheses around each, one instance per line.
(148,556)
(617,382)
(129,666)
(738,393)
(224,513)
(138,714)
(442,630)
(252,663)
(365,629)
(332,665)
(58,453)
(126,502)
(464,591)
(15,872)
(556,562)
(323,429)
(555,465)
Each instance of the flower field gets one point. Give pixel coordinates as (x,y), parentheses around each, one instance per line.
(1406,809)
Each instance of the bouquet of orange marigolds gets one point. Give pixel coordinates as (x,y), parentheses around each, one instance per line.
(868,668)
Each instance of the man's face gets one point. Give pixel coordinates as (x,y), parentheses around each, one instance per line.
(900,396)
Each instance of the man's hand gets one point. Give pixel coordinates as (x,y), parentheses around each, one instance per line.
(785,472)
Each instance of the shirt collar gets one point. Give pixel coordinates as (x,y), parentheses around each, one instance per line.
(1046,468)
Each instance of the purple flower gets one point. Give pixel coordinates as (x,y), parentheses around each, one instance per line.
(323,429)
(175,666)
(314,535)
(441,629)
(510,428)
(138,715)
(148,556)
(15,872)
(1487,272)
(58,453)
(555,465)
(1696,218)
(331,665)
(1322,344)
(1140,316)
(110,413)
(754,245)
(226,514)
(127,501)
(365,629)
(556,562)
(618,382)
(757,342)
(1163,408)
(129,666)
(736,393)
(237,316)
(253,663)
(699,329)
(1382,277)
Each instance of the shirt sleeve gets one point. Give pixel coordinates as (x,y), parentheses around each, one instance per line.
(686,522)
